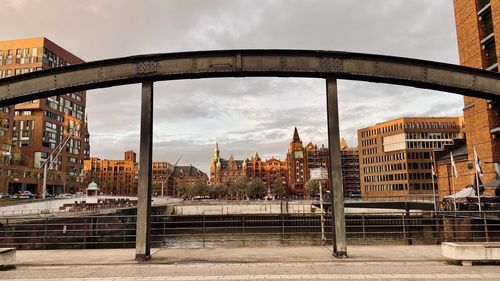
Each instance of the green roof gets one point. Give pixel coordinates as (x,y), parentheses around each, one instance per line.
(92,186)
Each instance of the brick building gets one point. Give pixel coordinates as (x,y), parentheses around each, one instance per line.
(113,177)
(478,35)
(186,175)
(316,157)
(227,171)
(349,158)
(274,170)
(120,177)
(320,157)
(35,128)
(447,184)
(294,172)
(395,156)
(162,179)
(6,120)
(297,166)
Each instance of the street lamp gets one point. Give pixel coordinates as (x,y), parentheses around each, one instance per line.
(321,174)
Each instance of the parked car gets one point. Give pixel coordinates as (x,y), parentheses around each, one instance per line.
(201,197)
(65,196)
(4,195)
(47,195)
(26,194)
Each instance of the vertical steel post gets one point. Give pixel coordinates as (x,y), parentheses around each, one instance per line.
(143,239)
(338,218)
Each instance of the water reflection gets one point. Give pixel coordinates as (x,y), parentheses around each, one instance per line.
(265,240)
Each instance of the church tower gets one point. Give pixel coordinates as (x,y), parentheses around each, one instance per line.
(215,166)
(297,171)
(216,152)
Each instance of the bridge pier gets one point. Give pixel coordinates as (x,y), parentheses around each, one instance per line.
(337,193)
(143,230)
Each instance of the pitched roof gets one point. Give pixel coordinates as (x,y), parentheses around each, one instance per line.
(224,163)
(296,137)
(190,171)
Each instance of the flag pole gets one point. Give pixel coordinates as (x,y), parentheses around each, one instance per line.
(433,173)
(477,188)
(434,194)
(478,169)
(454,174)
(454,196)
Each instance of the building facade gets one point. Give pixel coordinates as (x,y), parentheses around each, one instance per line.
(227,171)
(351,182)
(113,177)
(447,183)
(120,177)
(318,157)
(187,176)
(6,121)
(395,156)
(37,127)
(297,167)
(293,173)
(478,35)
(163,183)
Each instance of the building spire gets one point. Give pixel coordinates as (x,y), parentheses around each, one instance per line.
(296,137)
(343,144)
(216,151)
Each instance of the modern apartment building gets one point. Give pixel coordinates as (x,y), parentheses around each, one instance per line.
(37,127)
(6,120)
(395,156)
(478,35)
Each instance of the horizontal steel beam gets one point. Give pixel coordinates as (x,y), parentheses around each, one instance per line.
(240,63)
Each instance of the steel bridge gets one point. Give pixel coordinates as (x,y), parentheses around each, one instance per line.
(147,69)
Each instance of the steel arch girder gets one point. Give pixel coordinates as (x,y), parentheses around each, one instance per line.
(242,63)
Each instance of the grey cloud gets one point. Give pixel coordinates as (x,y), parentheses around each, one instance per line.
(251,114)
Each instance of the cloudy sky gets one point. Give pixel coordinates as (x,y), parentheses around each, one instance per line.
(246,115)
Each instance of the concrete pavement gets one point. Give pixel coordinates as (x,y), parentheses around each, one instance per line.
(267,263)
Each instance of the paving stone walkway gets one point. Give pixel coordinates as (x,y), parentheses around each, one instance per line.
(278,263)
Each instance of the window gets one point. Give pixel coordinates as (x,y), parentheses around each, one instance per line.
(50,125)
(482,3)
(490,55)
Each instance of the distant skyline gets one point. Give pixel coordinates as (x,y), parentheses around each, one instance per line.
(246,115)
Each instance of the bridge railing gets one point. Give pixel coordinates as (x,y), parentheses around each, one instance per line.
(118,231)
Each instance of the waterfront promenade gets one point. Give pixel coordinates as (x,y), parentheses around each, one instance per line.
(265,263)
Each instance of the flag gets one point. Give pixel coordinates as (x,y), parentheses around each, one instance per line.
(477,163)
(454,172)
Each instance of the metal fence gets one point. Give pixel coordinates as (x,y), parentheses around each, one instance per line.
(118,230)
